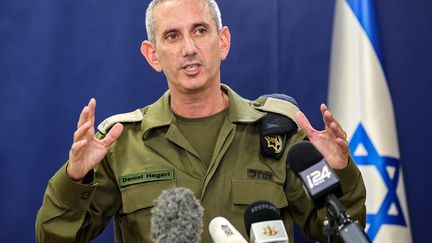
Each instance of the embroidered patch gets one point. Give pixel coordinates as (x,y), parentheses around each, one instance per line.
(274,142)
(146,176)
(259,174)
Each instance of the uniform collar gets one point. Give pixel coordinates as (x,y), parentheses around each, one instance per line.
(159,114)
(240,109)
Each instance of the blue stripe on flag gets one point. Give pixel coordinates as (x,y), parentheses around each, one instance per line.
(365,12)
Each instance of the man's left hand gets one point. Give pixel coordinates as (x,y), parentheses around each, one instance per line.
(331,142)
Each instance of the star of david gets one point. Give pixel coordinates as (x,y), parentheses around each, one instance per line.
(371,157)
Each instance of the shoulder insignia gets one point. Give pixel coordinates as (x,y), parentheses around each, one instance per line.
(134,116)
(279,106)
(278,125)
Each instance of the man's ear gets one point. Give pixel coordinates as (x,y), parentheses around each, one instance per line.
(149,52)
(225,42)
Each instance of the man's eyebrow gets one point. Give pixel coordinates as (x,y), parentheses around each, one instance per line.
(200,24)
(169,31)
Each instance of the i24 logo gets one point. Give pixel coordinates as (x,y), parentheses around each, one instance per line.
(317,177)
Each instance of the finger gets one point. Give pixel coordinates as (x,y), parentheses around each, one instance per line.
(77,146)
(323,108)
(90,132)
(83,117)
(344,146)
(337,131)
(87,112)
(81,131)
(90,117)
(112,135)
(327,115)
(92,109)
(304,124)
(332,125)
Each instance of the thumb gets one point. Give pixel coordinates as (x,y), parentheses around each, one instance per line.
(112,135)
(304,123)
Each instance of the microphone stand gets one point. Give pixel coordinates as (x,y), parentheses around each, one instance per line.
(350,232)
(328,228)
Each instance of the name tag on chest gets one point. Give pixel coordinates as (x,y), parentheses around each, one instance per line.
(146,176)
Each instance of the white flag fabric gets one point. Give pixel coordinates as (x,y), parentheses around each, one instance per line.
(360,99)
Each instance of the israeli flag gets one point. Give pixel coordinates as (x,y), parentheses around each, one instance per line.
(359,98)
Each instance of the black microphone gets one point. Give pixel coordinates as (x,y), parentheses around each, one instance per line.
(323,187)
(177,217)
(264,224)
(318,178)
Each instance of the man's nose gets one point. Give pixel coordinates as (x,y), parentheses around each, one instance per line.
(189,46)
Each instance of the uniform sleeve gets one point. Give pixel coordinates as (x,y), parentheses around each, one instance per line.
(76,212)
(354,192)
(309,218)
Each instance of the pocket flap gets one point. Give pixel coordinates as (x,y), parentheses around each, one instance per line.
(142,195)
(247,191)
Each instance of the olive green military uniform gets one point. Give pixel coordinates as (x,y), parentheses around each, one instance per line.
(152,155)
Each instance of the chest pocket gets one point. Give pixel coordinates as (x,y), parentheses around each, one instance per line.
(137,201)
(246,192)
(141,196)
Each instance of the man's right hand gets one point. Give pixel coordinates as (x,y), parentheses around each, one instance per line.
(87,151)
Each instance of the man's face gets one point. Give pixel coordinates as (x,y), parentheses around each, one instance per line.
(188,47)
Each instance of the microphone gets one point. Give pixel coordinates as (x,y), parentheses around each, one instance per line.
(318,178)
(264,224)
(177,216)
(222,231)
(323,187)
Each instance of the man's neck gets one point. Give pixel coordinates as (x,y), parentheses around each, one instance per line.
(199,104)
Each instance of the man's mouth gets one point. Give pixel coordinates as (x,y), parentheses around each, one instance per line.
(191,68)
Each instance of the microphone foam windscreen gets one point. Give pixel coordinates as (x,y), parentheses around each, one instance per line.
(303,155)
(177,216)
(260,211)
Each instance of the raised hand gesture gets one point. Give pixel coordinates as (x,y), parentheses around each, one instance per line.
(87,151)
(331,141)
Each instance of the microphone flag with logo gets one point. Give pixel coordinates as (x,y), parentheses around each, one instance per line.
(264,224)
(360,99)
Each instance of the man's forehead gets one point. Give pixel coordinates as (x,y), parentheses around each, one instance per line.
(180,12)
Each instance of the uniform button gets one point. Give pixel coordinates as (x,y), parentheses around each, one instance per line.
(256,103)
(85,195)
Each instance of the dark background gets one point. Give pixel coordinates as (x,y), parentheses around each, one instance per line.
(57,54)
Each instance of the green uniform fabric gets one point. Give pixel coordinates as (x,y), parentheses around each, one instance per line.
(73,212)
(202,133)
